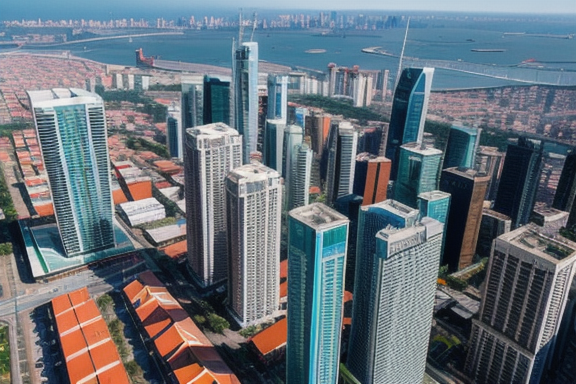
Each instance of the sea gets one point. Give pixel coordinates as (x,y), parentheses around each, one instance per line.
(515,40)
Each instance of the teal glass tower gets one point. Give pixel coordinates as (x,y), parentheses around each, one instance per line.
(417,172)
(434,204)
(317,242)
(217,100)
(409,110)
(461,147)
(71,127)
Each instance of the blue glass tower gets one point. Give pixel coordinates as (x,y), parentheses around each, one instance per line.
(434,204)
(71,127)
(217,100)
(317,237)
(278,97)
(245,72)
(461,147)
(409,110)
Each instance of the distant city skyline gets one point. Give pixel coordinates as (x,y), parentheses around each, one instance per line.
(144,8)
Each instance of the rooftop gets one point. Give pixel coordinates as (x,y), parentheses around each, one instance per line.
(214,130)
(421,149)
(434,195)
(551,249)
(271,338)
(39,97)
(252,172)
(318,216)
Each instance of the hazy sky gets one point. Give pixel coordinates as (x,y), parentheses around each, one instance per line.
(49,8)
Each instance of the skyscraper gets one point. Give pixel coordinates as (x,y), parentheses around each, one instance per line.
(434,204)
(254,207)
(278,97)
(417,172)
(245,72)
(192,102)
(468,189)
(217,100)
(299,175)
(492,225)
(566,191)
(371,178)
(524,297)
(71,127)
(409,109)
(317,238)
(490,161)
(274,144)
(387,288)
(293,135)
(174,132)
(341,162)
(212,151)
(461,147)
(519,181)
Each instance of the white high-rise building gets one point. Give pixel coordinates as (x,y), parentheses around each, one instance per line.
(525,293)
(299,172)
(245,99)
(71,126)
(212,151)
(254,206)
(293,135)
(341,162)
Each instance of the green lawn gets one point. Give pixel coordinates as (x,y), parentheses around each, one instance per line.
(4,355)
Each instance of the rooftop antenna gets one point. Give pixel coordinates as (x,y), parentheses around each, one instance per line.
(402,53)
(254,24)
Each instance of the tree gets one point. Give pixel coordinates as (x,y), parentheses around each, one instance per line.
(217,323)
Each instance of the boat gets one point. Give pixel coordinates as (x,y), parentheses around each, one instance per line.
(488,50)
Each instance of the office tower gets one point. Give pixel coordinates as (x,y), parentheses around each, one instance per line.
(212,151)
(461,147)
(341,162)
(217,99)
(362,89)
(467,188)
(278,97)
(524,297)
(318,128)
(382,348)
(245,72)
(371,178)
(174,132)
(254,207)
(490,161)
(519,181)
(371,139)
(299,175)
(492,225)
(317,238)
(383,81)
(566,190)
(274,144)
(292,138)
(349,206)
(417,172)
(192,102)
(434,204)
(549,220)
(409,109)
(71,127)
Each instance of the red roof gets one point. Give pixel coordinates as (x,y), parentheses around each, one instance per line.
(271,338)
(284,268)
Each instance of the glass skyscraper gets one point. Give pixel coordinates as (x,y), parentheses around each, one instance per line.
(317,237)
(71,127)
(245,72)
(409,110)
(278,97)
(341,162)
(192,102)
(274,144)
(217,100)
(174,132)
(417,172)
(461,147)
(519,181)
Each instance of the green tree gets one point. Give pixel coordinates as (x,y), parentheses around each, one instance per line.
(217,323)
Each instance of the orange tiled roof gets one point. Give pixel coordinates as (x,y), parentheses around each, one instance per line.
(272,337)
(176,249)
(284,289)
(284,268)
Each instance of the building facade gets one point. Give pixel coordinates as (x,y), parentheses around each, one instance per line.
(274,144)
(409,109)
(174,132)
(212,151)
(278,97)
(254,208)
(490,161)
(245,72)
(192,101)
(371,177)
(417,172)
(566,191)
(467,188)
(341,162)
(388,287)
(299,174)
(524,297)
(71,126)
(317,237)
(519,181)
(216,100)
(461,148)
